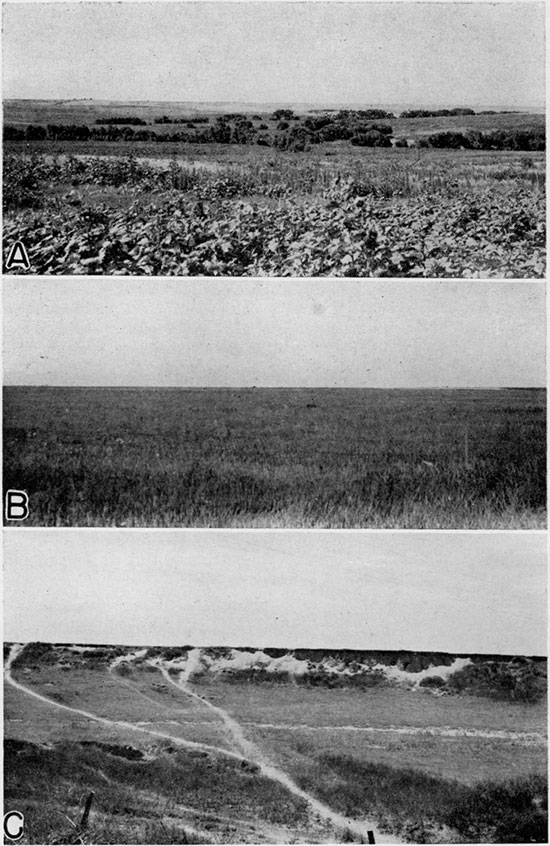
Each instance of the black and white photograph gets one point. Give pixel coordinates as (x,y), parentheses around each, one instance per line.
(275,687)
(291,404)
(274,422)
(270,139)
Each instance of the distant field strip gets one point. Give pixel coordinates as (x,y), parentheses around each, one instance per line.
(530,738)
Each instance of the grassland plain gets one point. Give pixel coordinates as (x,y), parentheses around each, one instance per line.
(71,112)
(427,768)
(335,458)
(161,207)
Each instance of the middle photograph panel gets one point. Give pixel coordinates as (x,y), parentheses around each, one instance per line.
(164,403)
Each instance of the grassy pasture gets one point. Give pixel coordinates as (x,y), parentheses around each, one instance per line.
(277,457)
(42,112)
(312,722)
(146,700)
(423,787)
(381,707)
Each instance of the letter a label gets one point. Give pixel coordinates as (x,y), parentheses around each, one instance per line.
(17,505)
(17,257)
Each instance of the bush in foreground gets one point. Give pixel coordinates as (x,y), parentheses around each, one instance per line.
(420,806)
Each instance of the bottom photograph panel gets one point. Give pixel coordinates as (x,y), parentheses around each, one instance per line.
(274,687)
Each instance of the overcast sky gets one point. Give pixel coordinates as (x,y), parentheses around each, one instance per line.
(446,53)
(463,592)
(277,333)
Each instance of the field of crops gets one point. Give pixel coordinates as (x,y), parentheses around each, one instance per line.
(278,457)
(251,211)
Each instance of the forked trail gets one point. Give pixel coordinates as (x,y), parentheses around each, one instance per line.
(247,751)
(272,771)
(121,724)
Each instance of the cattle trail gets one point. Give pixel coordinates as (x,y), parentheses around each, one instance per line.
(248,750)
(191,744)
(267,768)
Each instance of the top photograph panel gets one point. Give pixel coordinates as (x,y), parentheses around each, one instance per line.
(274,139)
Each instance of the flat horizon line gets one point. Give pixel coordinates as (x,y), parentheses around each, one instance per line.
(289,387)
(249,648)
(314,103)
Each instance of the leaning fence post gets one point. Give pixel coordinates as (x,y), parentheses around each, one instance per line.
(86,814)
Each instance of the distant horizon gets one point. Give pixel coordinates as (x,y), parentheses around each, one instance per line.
(274,52)
(453,592)
(286,387)
(281,333)
(314,105)
(255,648)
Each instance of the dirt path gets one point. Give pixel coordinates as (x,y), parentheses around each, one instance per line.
(253,827)
(250,750)
(254,753)
(190,744)
(240,742)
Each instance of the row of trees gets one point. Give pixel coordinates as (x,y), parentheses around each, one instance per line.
(132,121)
(500,139)
(190,121)
(287,136)
(422,113)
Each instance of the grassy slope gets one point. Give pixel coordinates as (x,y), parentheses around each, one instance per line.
(167,798)
(467,759)
(295,457)
(171,795)
(430,780)
(85,113)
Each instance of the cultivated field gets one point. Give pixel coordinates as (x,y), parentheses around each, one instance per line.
(220,745)
(278,457)
(253,194)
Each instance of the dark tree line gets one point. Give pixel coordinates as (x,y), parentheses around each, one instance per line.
(421,113)
(132,121)
(499,139)
(291,133)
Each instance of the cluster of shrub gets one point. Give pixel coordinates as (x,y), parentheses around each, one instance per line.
(133,121)
(313,678)
(518,679)
(422,113)
(297,136)
(190,121)
(40,654)
(499,139)
(509,679)
(362,128)
(422,807)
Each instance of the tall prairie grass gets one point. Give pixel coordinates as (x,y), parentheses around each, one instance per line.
(270,457)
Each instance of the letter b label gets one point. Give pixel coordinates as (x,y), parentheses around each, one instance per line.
(17,505)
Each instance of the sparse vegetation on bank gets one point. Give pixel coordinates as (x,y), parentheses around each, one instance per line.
(433,773)
(424,809)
